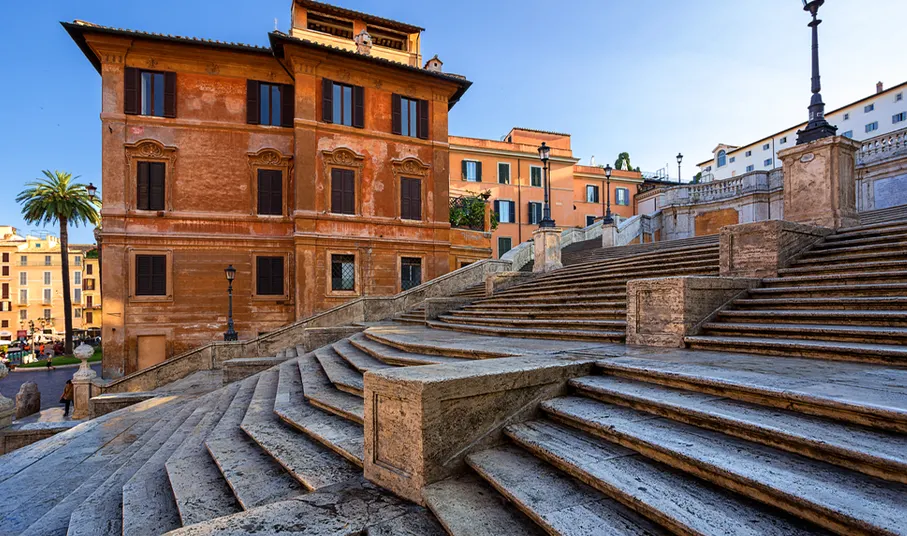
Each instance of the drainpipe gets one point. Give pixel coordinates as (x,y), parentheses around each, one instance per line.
(519,202)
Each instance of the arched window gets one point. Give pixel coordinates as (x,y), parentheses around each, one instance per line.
(722,158)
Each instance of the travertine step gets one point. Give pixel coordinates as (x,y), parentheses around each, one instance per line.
(313,465)
(836,241)
(879,335)
(890,276)
(555,501)
(102,512)
(549,285)
(434,348)
(255,478)
(850,257)
(336,433)
(869,451)
(845,250)
(539,315)
(321,393)
(343,376)
(538,333)
(358,359)
(467,506)
(869,266)
(802,385)
(821,349)
(585,324)
(874,227)
(675,500)
(545,307)
(395,356)
(832,290)
(884,216)
(886,318)
(149,508)
(567,297)
(825,303)
(199,488)
(838,499)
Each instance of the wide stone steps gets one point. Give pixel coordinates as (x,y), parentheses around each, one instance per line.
(887,276)
(591,249)
(394,355)
(339,372)
(543,307)
(840,251)
(859,303)
(889,214)
(433,346)
(850,317)
(564,298)
(358,359)
(850,257)
(538,333)
(672,498)
(544,287)
(832,290)
(835,498)
(537,323)
(321,393)
(878,335)
(584,312)
(800,347)
(847,267)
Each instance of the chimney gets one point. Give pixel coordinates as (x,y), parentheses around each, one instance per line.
(880,87)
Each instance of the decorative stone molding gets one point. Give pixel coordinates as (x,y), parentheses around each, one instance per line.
(149,150)
(410,167)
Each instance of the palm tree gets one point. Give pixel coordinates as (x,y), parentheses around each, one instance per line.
(57,199)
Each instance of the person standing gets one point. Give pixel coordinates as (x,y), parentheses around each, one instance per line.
(67,397)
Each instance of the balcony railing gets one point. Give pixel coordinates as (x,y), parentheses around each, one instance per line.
(893,144)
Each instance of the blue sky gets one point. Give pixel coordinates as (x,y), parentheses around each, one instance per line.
(651,77)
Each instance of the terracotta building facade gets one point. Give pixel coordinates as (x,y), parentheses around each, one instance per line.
(317,167)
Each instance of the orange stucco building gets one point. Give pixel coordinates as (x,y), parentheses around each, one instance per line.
(318,167)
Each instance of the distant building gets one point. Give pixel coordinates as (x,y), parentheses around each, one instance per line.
(883,112)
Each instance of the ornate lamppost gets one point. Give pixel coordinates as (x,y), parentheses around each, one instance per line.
(230,334)
(679,159)
(818,127)
(544,155)
(608,220)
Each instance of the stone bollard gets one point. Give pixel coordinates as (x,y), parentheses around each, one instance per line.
(28,400)
(547,244)
(7,406)
(609,234)
(81,382)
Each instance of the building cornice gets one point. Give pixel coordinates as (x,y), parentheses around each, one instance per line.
(510,154)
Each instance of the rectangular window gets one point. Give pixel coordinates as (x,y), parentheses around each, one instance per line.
(4,291)
(410,272)
(868,108)
(505,211)
(269,276)
(6,306)
(783,140)
(846,117)
(89,317)
(23,296)
(848,134)
(505,244)
(89,302)
(150,186)
(343,191)
(46,313)
(410,199)
(6,257)
(270,104)
(590,220)
(89,269)
(77,295)
(77,278)
(767,163)
(750,168)
(343,272)
(535,212)
(23,278)
(897,118)
(150,275)
(342,104)
(88,284)
(535,176)
(749,153)
(471,171)
(150,93)
(503,173)
(899,97)
(872,127)
(409,116)
(4,323)
(48,260)
(5,271)
(77,313)
(48,296)
(78,260)
(766,147)
(732,159)
(23,260)
(591,193)
(622,196)
(270,192)
(23,314)
(46,278)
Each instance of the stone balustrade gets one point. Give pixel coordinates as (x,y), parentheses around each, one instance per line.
(881,148)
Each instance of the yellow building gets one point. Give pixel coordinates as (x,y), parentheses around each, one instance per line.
(31,286)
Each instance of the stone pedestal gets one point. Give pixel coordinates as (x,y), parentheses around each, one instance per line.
(547,244)
(819,182)
(81,383)
(760,249)
(664,310)
(7,406)
(609,234)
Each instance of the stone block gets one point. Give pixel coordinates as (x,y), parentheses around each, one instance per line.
(662,311)
(240,369)
(421,422)
(28,400)
(81,403)
(435,307)
(762,248)
(104,404)
(547,244)
(819,182)
(500,281)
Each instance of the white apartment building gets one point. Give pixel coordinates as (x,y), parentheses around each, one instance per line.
(881,113)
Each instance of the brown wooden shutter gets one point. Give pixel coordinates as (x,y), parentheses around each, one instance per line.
(336,191)
(262,275)
(415,199)
(276,192)
(396,126)
(264,192)
(159,275)
(132,96)
(463,169)
(142,275)
(169,94)
(156,186)
(277,275)
(287,105)
(253,107)
(358,107)
(143,181)
(405,199)
(327,100)
(497,209)
(478,172)
(423,119)
(349,192)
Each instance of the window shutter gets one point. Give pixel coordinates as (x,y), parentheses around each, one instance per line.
(262,275)
(287,105)
(156,186)
(143,180)
(131,98)
(478,172)
(264,192)
(415,199)
(253,109)
(404,199)
(538,212)
(143,275)
(336,191)
(423,119)
(531,212)
(169,94)
(327,100)
(349,194)
(497,209)
(358,107)
(159,275)
(277,276)
(276,192)
(396,120)
(463,169)
(512,211)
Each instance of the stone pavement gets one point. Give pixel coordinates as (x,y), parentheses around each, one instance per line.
(50,383)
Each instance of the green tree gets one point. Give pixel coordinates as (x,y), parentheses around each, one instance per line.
(57,199)
(623,162)
(697,178)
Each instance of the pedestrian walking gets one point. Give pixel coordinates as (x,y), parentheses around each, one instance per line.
(67,397)
(49,363)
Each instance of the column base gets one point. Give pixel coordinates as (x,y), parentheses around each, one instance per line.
(547,244)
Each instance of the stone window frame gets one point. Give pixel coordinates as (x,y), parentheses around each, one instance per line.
(410,168)
(270,159)
(343,158)
(149,150)
(357,285)
(400,255)
(286,276)
(131,254)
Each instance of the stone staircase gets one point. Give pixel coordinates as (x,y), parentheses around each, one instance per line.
(846,298)
(416,315)
(689,446)
(883,215)
(584,301)
(592,250)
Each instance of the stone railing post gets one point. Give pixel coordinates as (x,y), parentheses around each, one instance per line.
(547,244)
(81,382)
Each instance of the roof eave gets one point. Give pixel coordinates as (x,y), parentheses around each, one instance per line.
(77,33)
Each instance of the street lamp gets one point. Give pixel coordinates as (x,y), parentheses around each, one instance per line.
(607,220)
(818,127)
(544,155)
(679,159)
(91,190)
(230,334)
